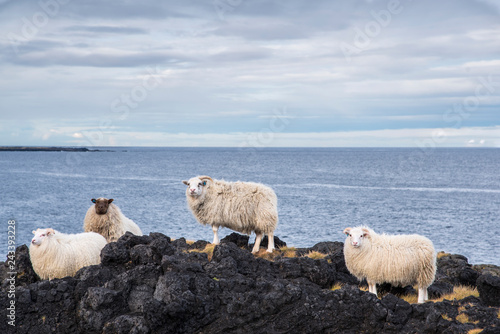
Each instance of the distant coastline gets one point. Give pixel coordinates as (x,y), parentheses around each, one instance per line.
(46,149)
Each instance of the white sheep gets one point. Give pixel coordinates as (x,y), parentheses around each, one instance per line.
(397,259)
(107,219)
(55,255)
(240,206)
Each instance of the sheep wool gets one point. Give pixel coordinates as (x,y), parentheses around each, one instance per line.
(107,219)
(396,259)
(55,255)
(245,207)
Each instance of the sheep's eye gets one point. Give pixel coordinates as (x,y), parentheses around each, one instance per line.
(361,236)
(199,184)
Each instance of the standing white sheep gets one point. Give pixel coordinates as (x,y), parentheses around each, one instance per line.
(107,219)
(240,206)
(397,259)
(56,255)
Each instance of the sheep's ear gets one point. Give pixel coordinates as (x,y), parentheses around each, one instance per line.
(185,182)
(366,232)
(93,200)
(110,200)
(50,231)
(34,232)
(347,231)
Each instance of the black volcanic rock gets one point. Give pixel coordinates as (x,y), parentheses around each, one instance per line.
(239,240)
(438,289)
(329,247)
(456,270)
(24,273)
(489,289)
(114,253)
(151,284)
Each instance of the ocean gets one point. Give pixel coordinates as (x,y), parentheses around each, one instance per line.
(450,195)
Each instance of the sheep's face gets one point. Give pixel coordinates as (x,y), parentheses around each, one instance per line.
(101,205)
(356,236)
(196,186)
(40,235)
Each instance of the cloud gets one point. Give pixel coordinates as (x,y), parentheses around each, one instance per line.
(447,137)
(118,30)
(225,75)
(102,58)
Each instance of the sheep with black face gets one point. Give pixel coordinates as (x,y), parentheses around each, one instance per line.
(106,218)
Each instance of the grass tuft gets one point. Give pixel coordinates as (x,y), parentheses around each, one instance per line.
(263,254)
(475,331)
(412,299)
(288,251)
(337,286)
(209,250)
(459,292)
(464,319)
(315,255)
(445,317)
(442,254)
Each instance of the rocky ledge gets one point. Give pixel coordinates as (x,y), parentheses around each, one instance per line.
(151,284)
(47,149)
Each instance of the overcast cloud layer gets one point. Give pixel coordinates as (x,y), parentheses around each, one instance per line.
(250,73)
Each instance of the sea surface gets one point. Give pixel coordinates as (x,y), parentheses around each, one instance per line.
(452,196)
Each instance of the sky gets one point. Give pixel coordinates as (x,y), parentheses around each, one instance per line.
(250,73)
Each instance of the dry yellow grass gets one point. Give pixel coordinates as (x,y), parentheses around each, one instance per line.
(263,254)
(445,317)
(315,255)
(209,250)
(459,292)
(475,331)
(288,251)
(412,299)
(463,318)
(441,254)
(337,286)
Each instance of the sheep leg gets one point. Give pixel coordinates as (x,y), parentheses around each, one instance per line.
(258,239)
(216,235)
(422,295)
(372,287)
(270,242)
